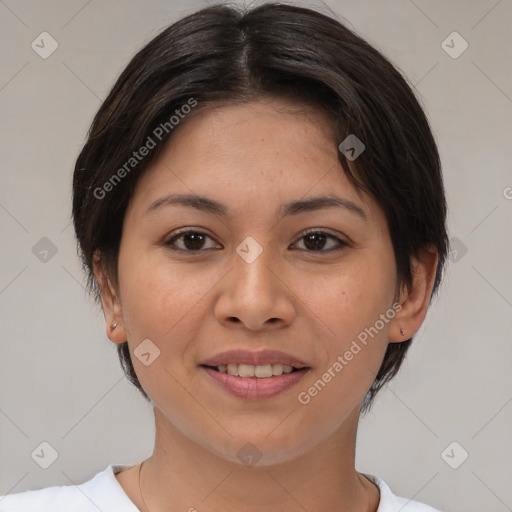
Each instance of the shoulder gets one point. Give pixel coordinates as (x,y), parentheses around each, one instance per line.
(391,503)
(102,492)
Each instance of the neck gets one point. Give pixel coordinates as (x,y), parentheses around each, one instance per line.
(182,475)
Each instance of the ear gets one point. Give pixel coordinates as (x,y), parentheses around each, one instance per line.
(112,307)
(415,300)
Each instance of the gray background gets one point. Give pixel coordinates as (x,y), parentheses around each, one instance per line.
(60,381)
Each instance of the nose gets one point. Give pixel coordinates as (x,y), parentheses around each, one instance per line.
(254,297)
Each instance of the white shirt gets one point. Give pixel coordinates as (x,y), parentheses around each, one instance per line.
(104,493)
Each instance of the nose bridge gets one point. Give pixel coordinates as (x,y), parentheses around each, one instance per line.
(253,294)
(253,278)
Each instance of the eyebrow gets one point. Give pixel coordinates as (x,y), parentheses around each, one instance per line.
(208,205)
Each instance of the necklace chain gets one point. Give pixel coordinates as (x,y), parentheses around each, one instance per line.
(140,488)
(147,508)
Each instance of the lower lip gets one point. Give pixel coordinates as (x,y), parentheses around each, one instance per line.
(256,388)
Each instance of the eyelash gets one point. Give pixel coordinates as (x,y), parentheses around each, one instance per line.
(179,234)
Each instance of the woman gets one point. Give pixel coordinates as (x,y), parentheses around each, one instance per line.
(259,207)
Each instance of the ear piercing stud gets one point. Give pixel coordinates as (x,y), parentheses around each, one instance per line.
(402,331)
(113,326)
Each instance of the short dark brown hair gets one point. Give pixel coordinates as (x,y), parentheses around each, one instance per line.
(224,54)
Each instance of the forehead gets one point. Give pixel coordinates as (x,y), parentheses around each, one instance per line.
(264,133)
(243,153)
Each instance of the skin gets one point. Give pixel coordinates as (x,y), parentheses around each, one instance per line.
(312,304)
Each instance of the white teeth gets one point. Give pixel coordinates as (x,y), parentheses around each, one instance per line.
(260,371)
(246,370)
(232,369)
(277,369)
(263,372)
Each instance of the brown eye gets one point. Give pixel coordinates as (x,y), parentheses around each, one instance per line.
(319,241)
(191,240)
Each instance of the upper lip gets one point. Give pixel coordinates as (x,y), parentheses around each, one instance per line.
(260,358)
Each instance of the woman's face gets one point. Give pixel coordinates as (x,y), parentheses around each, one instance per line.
(245,244)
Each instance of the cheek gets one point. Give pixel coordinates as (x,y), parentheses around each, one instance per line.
(155,291)
(164,306)
(351,299)
(162,302)
(349,304)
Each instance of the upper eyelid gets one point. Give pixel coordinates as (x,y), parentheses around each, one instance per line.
(205,232)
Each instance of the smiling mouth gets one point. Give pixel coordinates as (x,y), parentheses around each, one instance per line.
(255,372)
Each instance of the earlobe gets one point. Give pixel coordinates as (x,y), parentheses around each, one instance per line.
(110,301)
(415,299)
(118,336)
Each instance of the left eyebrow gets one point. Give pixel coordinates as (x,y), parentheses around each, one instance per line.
(208,205)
